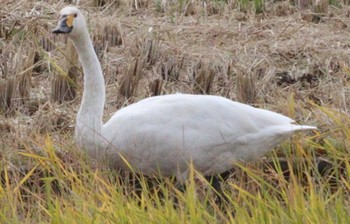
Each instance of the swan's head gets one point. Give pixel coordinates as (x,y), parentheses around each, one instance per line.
(72,22)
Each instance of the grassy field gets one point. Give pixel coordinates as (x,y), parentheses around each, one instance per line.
(286,57)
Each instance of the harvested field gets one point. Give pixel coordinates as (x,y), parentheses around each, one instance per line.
(292,59)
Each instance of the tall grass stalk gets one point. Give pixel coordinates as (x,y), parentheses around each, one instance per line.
(259,6)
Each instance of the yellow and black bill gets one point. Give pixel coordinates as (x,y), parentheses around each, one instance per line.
(65,25)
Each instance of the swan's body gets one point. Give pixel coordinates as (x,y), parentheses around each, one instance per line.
(166,133)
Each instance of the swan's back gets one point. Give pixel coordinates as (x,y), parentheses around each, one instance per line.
(165,133)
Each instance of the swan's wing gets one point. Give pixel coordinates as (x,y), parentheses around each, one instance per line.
(167,132)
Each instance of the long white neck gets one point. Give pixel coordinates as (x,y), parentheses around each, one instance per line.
(89,118)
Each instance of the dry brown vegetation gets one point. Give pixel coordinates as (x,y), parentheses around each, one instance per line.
(152,48)
(262,59)
(290,59)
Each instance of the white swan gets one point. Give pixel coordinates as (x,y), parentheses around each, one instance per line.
(164,134)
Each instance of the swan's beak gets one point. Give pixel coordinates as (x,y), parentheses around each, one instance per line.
(65,24)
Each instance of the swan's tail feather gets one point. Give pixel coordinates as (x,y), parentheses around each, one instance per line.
(297,128)
(287,130)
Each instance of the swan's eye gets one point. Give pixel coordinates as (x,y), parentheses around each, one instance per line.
(75,15)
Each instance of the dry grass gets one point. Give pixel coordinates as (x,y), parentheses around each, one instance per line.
(289,60)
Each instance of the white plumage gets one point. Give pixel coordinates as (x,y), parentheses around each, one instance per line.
(166,133)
